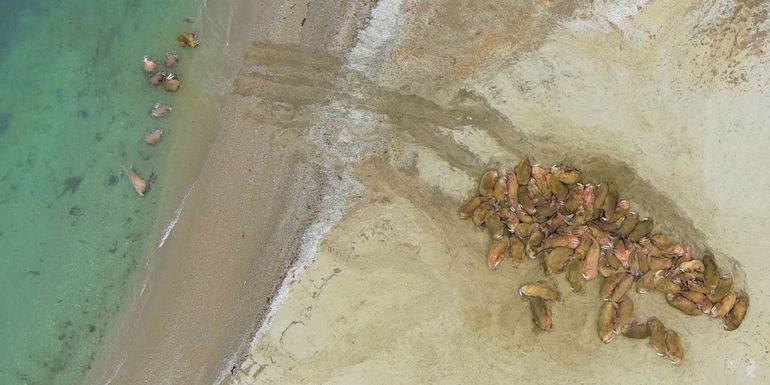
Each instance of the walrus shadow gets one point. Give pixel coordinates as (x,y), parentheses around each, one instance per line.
(5,122)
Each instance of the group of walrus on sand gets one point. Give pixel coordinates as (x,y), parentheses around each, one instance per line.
(170,82)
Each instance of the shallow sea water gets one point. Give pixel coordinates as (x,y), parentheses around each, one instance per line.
(73,108)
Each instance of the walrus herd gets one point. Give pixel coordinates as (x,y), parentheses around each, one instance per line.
(587,231)
(170,82)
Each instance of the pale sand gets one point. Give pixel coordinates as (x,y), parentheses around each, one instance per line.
(666,97)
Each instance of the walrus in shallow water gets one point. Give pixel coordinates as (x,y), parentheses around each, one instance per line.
(188,39)
(171,59)
(153,137)
(160,110)
(137,182)
(157,78)
(171,82)
(149,65)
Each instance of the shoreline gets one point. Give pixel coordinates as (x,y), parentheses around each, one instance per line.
(209,290)
(333,203)
(196,106)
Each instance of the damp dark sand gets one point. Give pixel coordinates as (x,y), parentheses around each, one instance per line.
(393,112)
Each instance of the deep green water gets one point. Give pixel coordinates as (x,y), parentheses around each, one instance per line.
(73,109)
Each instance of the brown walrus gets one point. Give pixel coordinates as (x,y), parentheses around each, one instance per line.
(149,65)
(157,78)
(171,83)
(171,59)
(160,110)
(188,39)
(153,137)
(139,184)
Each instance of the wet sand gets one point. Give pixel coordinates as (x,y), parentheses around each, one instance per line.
(393,112)
(666,98)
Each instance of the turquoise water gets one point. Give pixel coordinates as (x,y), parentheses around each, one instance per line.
(73,110)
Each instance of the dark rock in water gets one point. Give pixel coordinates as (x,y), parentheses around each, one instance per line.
(76,211)
(71,184)
(5,122)
(113,180)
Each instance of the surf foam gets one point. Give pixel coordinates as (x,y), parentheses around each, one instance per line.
(333,204)
(177,213)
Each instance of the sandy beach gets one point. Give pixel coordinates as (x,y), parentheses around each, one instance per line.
(656,96)
(351,132)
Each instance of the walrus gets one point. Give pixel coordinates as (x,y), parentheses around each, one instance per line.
(153,137)
(160,110)
(171,59)
(157,78)
(171,83)
(149,65)
(188,39)
(139,184)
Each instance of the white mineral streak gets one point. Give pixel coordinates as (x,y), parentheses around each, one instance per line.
(332,205)
(375,41)
(607,15)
